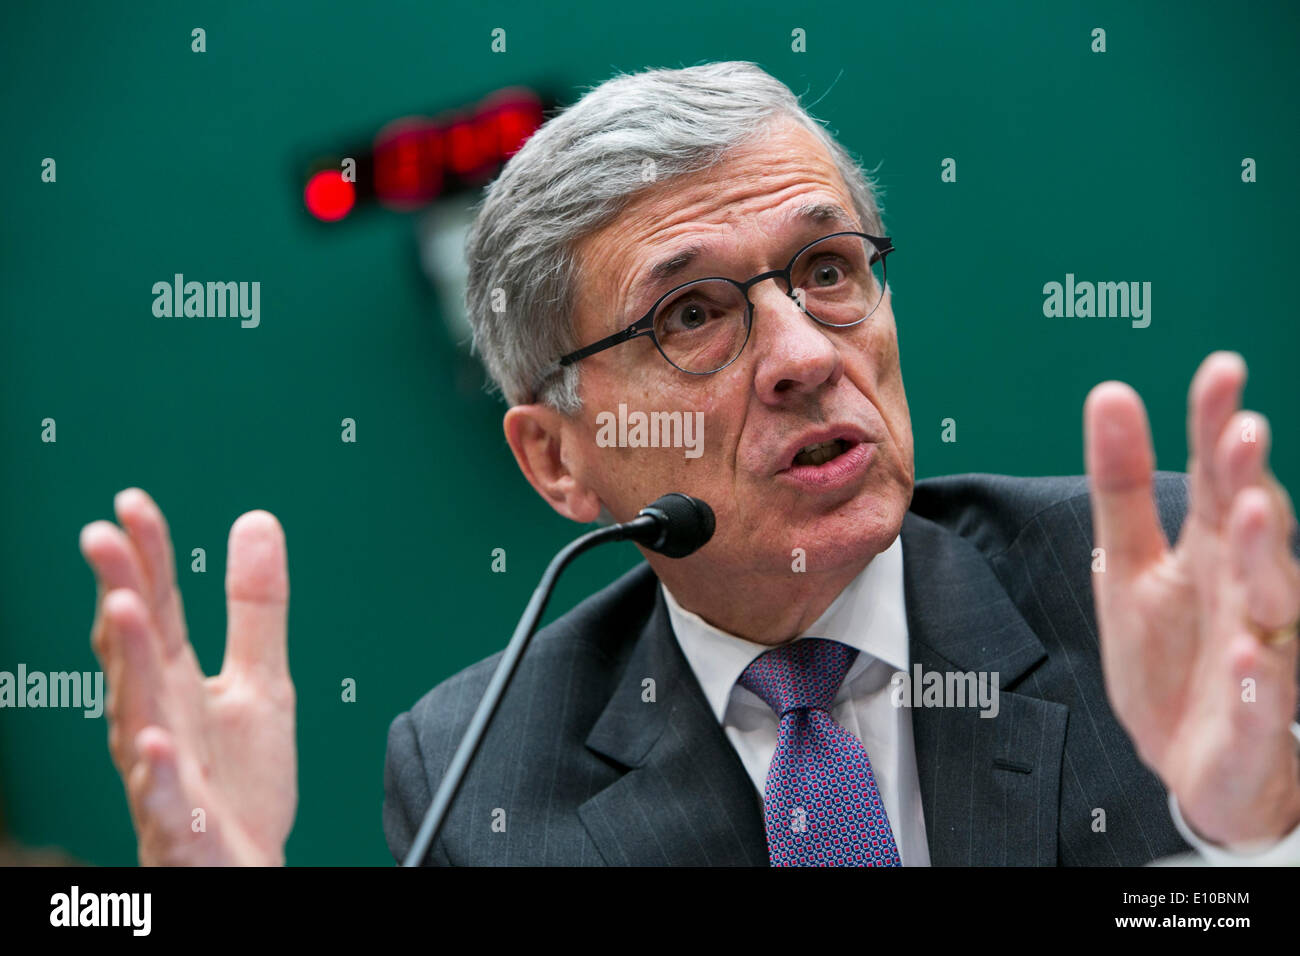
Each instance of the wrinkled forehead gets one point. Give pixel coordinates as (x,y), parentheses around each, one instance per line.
(784,182)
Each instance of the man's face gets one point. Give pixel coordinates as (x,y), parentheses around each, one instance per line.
(795,384)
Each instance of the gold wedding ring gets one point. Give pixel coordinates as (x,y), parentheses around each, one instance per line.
(1278,636)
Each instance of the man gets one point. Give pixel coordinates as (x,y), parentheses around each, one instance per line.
(753,703)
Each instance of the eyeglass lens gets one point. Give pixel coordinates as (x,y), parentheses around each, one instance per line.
(704,325)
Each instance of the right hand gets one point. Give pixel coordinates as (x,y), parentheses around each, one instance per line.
(183,742)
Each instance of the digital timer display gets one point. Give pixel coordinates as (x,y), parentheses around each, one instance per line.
(414,160)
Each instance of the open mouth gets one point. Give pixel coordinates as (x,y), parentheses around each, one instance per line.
(820,453)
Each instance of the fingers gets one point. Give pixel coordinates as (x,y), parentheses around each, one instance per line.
(116,565)
(257,598)
(1267,572)
(135,679)
(1259,521)
(1214,396)
(145,523)
(1282,502)
(1241,461)
(158,802)
(1120,463)
(1270,708)
(111,556)
(140,559)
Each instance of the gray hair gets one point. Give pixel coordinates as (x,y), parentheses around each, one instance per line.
(573,177)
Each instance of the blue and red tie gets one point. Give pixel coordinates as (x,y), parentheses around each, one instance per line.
(820,801)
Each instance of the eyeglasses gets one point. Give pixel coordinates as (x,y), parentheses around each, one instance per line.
(702,326)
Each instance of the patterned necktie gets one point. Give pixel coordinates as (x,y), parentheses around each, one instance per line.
(820,801)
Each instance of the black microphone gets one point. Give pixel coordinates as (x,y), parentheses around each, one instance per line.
(675,525)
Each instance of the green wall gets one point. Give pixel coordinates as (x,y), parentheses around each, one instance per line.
(1117,166)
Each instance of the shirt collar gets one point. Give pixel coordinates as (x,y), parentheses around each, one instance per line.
(869,614)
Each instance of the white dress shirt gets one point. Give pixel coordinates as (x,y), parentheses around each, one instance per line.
(869,615)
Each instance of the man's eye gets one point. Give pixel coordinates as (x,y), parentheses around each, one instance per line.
(691,315)
(685,316)
(708,308)
(827,273)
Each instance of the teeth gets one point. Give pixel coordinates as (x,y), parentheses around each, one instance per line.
(819,453)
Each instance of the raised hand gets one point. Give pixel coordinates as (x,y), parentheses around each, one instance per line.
(1198,642)
(183,743)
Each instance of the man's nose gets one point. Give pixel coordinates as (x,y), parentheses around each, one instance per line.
(793,352)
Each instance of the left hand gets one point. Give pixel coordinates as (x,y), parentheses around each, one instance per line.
(1185,630)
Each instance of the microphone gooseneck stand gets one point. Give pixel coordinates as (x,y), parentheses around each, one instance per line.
(674,525)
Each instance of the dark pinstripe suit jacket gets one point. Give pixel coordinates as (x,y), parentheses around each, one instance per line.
(997,577)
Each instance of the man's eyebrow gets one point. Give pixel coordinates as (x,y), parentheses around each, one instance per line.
(816,213)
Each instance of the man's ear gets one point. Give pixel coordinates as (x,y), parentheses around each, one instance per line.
(542,440)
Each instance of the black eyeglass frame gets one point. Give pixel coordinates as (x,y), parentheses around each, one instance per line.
(645,325)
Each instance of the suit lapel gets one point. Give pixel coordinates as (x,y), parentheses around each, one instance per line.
(685,799)
(989,785)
